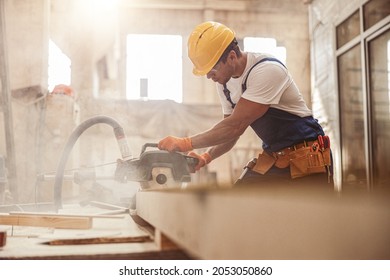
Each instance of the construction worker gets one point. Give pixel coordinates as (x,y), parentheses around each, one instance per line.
(255,90)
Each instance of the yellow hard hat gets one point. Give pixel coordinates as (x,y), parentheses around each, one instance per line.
(206,45)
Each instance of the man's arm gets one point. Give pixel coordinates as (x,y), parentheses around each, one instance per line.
(219,150)
(225,132)
(230,128)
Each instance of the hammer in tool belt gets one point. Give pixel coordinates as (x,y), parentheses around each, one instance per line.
(248,166)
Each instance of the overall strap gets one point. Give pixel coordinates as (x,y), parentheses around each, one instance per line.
(226,91)
(243,86)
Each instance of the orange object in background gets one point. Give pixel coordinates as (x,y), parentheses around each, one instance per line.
(3,238)
(63,89)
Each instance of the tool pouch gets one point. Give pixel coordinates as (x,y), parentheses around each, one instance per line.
(282,161)
(304,162)
(264,163)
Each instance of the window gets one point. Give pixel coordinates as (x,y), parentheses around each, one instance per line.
(379,77)
(363,60)
(374,11)
(348,30)
(59,71)
(352,116)
(265,45)
(154,67)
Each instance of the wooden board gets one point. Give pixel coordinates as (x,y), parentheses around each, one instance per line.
(111,231)
(163,242)
(100,240)
(272,223)
(42,214)
(46,221)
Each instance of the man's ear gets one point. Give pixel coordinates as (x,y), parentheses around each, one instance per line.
(232,56)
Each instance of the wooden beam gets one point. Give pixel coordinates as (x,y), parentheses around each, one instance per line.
(272,223)
(108,206)
(46,221)
(103,216)
(163,242)
(100,240)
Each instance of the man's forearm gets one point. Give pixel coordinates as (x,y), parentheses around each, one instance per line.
(223,132)
(221,149)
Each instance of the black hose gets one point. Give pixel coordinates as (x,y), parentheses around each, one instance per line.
(119,135)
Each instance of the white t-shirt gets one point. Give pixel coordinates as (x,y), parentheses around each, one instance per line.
(269,82)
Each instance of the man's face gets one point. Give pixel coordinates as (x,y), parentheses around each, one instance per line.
(220,73)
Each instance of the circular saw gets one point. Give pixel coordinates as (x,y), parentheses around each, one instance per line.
(156,168)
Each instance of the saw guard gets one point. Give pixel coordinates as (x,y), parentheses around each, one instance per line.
(162,177)
(156,169)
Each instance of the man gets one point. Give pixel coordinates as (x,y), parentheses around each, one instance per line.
(255,90)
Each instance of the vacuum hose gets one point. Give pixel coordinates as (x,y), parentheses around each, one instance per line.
(119,135)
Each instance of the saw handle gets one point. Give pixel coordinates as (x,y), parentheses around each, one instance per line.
(191,161)
(153,145)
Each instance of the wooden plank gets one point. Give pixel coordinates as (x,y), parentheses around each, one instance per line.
(32,248)
(105,216)
(163,242)
(100,240)
(272,223)
(108,206)
(47,221)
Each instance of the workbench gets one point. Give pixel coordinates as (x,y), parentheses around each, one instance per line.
(241,223)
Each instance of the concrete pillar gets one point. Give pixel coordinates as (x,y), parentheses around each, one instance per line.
(27,38)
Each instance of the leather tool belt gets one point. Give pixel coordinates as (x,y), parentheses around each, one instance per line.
(303,159)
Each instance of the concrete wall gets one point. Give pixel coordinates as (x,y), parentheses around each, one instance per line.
(27,36)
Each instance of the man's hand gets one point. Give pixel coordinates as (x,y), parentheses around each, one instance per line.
(175,144)
(204,159)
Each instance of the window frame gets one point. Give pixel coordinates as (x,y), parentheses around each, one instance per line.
(363,39)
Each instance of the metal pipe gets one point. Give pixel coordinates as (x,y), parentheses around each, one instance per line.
(119,135)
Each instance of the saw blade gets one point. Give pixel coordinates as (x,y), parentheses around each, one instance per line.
(162,177)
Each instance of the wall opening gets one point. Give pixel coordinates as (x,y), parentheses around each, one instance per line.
(59,71)
(265,45)
(154,67)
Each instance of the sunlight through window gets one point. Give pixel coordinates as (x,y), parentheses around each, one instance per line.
(154,67)
(265,45)
(59,71)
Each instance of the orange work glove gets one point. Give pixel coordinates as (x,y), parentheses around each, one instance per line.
(204,159)
(175,144)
